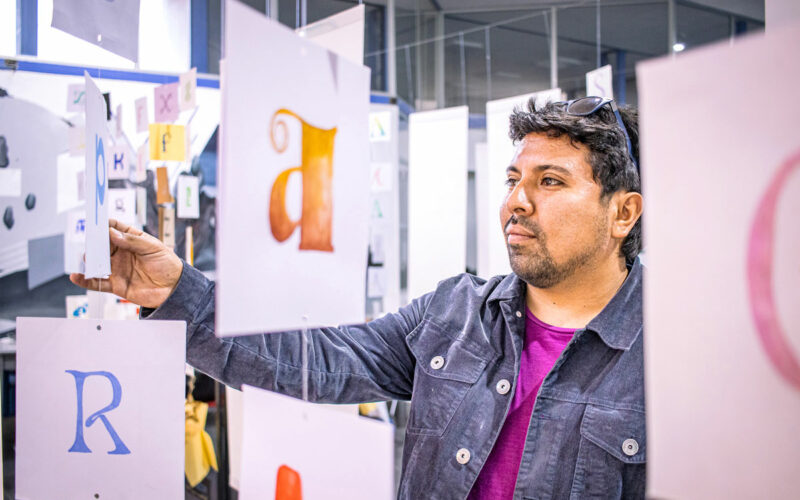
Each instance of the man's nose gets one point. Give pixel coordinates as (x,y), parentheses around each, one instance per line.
(518,202)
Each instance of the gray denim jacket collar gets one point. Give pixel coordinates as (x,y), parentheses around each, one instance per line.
(618,324)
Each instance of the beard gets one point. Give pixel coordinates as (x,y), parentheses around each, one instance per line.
(537,267)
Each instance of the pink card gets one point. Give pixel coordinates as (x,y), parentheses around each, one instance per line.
(165,103)
(142,118)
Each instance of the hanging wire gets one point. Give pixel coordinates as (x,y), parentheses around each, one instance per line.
(488,51)
(463,68)
(597,33)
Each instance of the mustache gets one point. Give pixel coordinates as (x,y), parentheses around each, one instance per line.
(525,223)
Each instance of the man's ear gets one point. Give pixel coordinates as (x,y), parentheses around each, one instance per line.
(627,210)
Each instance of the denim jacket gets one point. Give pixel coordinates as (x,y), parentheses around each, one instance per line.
(448,351)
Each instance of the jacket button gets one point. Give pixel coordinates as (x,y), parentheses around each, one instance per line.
(462,456)
(630,447)
(437,362)
(519,314)
(503,386)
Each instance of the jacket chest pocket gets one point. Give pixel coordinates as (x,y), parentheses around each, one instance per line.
(446,369)
(611,454)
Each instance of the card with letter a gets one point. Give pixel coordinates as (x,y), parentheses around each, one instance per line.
(295,150)
(100,409)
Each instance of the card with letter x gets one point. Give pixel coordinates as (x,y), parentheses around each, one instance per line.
(100,409)
(165,102)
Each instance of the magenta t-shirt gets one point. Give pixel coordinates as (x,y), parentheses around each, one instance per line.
(543,345)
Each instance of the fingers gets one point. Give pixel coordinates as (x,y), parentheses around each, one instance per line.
(141,243)
(124,228)
(95,284)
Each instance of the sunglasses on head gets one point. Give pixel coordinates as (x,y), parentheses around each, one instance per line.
(586,106)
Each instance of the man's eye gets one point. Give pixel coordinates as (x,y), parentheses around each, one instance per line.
(550,181)
(511,182)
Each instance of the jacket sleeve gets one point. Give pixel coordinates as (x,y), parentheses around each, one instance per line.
(346,364)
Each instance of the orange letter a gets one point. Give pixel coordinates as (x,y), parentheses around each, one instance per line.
(316,220)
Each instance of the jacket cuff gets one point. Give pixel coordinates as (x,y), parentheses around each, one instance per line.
(184,301)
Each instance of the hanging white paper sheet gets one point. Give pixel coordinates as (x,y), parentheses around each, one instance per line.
(599,82)
(437,197)
(100,410)
(98,155)
(113,26)
(188,194)
(142,115)
(333,454)
(492,251)
(722,194)
(300,211)
(341,33)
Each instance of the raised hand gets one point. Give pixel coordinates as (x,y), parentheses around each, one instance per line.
(143,270)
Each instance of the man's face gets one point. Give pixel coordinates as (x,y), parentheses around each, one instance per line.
(555,222)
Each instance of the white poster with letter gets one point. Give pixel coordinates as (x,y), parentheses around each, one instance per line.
(599,82)
(722,193)
(294,449)
(98,155)
(298,216)
(437,197)
(100,408)
(492,252)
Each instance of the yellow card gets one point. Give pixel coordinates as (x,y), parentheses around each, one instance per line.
(167,142)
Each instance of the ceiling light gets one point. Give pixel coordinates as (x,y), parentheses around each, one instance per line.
(678,47)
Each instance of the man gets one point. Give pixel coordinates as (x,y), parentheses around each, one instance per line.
(524,386)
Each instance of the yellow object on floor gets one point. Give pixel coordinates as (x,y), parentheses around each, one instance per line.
(200,456)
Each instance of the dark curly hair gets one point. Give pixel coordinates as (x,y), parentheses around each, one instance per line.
(611,165)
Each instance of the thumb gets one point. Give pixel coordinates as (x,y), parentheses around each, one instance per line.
(133,243)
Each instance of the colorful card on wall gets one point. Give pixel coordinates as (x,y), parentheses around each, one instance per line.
(77,306)
(188,191)
(122,205)
(75,242)
(722,195)
(142,116)
(287,445)
(188,89)
(98,156)
(307,192)
(167,142)
(162,186)
(165,102)
(91,421)
(118,161)
(76,97)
